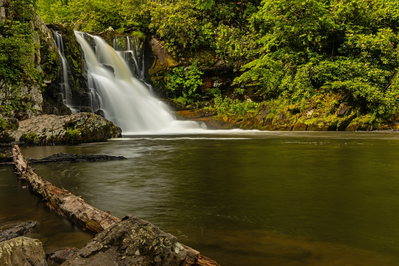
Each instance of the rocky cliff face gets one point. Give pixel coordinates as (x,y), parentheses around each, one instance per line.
(77,73)
(30,64)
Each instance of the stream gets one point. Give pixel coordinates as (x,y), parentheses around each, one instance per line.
(239,197)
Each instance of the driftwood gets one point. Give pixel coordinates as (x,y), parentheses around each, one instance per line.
(77,210)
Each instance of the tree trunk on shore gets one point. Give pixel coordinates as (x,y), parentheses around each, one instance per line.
(77,210)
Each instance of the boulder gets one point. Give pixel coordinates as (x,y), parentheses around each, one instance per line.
(22,251)
(69,129)
(133,242)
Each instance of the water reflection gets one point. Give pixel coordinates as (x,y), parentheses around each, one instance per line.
(18,204)
(251,198)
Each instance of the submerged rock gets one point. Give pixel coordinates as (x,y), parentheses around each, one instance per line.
(22,251)
(132,242)
(71,157)
(72,129)
(17,230)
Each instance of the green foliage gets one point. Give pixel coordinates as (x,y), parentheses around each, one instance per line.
(294,49)
(227,106)
(182,26)
(73,133)
(17,47)
(28,138)
(3,123)
(310,47)
(184,82)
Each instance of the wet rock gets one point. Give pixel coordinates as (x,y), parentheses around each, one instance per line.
(70,157)
(100,113)
(17,230)
(72,129)
(131,242)
(109,68)
(22,251)
(80,96)
(60,256)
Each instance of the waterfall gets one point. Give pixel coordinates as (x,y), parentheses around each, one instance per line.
(66,92)
(124,99)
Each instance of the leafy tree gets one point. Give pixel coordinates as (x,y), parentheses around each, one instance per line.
(307,47)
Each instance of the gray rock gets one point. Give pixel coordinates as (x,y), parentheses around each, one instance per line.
(60,256)
(17,230)
(72,129)
(22,251)
(131,242)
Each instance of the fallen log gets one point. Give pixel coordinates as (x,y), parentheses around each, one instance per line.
(87,217)
(62,201)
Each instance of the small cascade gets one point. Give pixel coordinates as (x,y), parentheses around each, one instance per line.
(132,53)
(66,92)
(123,98)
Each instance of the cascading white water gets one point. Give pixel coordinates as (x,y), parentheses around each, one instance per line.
(125,100)
(65,88)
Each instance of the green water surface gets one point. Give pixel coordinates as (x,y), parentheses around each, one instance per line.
(246,198)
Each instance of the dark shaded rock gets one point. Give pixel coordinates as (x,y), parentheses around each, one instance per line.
(100,113)
(109,68)
(70,157)
(6,160)
(132,242)
(22,251)
(5,137)
(17,230)
(77,75)
(60,256)
(119,130)
(85,109)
